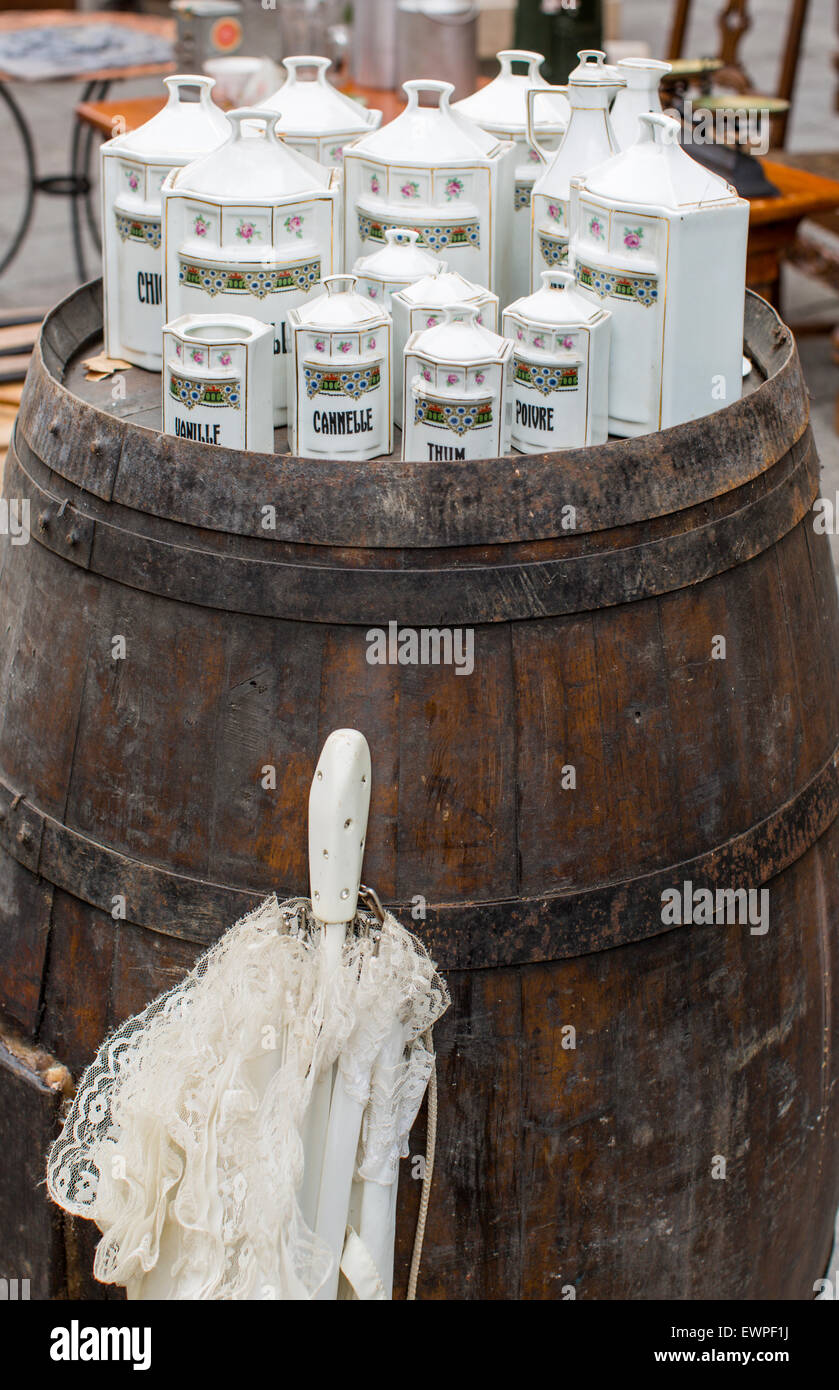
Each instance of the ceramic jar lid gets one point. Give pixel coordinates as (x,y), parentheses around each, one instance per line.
(593,71)
(256,168)
(443,287)
(401,259)
(501,106)
(556,304)
(428,136)
(461,339)
(656,172)
(182,128)
(313,107)
(339,308)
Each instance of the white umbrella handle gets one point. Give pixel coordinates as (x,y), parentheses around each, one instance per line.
(339,804)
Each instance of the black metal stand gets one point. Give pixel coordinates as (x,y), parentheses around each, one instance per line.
(76,185)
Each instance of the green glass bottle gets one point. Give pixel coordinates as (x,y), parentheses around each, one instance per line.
(559,29)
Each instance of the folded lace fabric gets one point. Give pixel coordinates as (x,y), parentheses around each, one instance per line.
(184,1142)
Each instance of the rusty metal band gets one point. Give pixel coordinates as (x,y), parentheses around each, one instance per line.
(760,514)
(460,936)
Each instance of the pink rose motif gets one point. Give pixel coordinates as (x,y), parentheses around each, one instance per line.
(225,359)
(555,212)
(535,157)
(451,379)
(519,335)
(372,342)
(197,356)
(480,378)
(596,229)
(374,184)
(319,345)
(200,227)
(431,322)
(409,190)
(454,188)
(567,343)
(247,231)
(133,181)
(373,293)
(539,342)
(344,347)
(294,226)
(426,374)
(632,237)
(480,318)
(177,349)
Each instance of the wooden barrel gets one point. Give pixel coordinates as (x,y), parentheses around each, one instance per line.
(630,1107)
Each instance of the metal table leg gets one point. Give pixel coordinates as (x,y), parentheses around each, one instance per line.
(31,173)
(80,151)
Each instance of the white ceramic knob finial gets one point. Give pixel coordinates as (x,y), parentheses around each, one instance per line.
(339,803)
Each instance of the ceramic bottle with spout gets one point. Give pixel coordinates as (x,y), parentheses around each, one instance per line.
(642,77)
(588,140)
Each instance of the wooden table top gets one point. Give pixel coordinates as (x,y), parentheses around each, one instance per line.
(164,28)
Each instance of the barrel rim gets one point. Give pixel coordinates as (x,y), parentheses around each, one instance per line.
(390,504)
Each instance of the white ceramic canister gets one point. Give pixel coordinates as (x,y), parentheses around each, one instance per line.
(661,242)
(588,140)
(341,375)
(436,171)
(501,108)
(314,117)
(640,94)
(251,230)
(218,381)
(457,390)
(401,262)
(133,168)
(560,367)
(422,305)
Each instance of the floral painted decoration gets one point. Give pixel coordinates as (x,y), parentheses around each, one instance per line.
(372,343)
(539,342)
(247,231)
(431,322)
(409,190)
(372,292)
(200,227)
(566,343)
(555,211)
(337,152)
(375,186)
(454,188)
(133,180)
(224,359)
(632,237)
(320,345)
(344,347)
(451,379)
(426,374)
(480,378)
(535,157)
(294,225)
(595,227)
(197,355)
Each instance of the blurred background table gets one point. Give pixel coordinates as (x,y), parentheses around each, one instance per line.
(153,39)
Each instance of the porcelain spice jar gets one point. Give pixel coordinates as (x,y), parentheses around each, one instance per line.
(588,140)
(661,242)
(640,95)
(457,390)
(435,171)
(401,262)
(340,378)
(560,367)
(251,230)
(217,381)
(314,117)
(423,304)
(501,108)
(133,168)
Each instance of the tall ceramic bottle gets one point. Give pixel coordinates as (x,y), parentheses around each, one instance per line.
(501,109)
(640,95)
(588,140)
(134,166)
(661,242)
(250,230)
